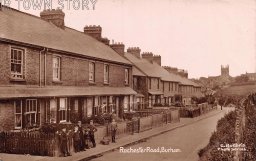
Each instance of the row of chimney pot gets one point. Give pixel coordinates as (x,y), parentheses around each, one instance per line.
(57,17)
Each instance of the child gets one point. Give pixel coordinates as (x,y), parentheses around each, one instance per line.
(64,142)
(113,127)
(76,138)
(87,138)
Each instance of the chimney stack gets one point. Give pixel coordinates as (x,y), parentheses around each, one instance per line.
(171,69)
(135,51)
(93,31)
(118,47)
(183,73)
(157,59)
(54,16)
(148,56)
(105,41)
(180,72)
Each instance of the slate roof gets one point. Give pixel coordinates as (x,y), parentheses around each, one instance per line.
(155,70)
(151,69)
(22,27)
(137,72)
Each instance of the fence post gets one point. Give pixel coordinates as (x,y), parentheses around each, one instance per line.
(138,125)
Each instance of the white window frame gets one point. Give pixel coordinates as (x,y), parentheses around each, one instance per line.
(30,110)
(15,113)
(126,103)
(53,110)
(106,73)
(21,62)
(56,69)
(92,72)
(63,110)
(104,103)
(126,76)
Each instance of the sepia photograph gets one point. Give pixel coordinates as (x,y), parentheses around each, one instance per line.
(126,80)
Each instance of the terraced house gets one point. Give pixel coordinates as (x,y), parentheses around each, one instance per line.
(155,85)
(150,80)
(51,73)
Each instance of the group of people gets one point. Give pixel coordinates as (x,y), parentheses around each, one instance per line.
(83,137)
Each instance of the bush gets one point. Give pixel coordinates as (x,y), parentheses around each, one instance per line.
(249,135)
(99,119)
(225,133)
(49,128)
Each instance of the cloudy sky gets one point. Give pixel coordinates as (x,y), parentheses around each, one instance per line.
(196,35)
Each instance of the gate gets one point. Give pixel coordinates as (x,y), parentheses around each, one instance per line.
(133,126)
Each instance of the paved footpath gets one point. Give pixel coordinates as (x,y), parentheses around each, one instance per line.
(122,142)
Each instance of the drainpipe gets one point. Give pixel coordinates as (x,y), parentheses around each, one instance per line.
(45,66)
(40,67)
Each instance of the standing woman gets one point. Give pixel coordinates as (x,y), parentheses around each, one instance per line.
(63,137)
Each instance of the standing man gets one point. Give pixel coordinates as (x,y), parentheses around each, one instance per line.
(93,129)
(81,136)
(113,127)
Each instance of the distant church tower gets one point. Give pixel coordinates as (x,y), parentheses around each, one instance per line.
(225,70)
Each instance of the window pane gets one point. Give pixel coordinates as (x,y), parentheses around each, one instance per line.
(19,55)
(12,67)
(18,106)
(62,103)
(18,120)
(30,106)
(56,68)
(33,118)
(18,68)
(16,63)
(34,105)
(15,54)
(126,76)
(53,110)
(38,108)
(38,119)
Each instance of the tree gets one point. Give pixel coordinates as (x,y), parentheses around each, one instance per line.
(242,78)
(221,101)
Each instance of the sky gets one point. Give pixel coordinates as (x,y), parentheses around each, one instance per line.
(196,35)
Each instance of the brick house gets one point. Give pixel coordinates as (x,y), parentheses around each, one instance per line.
(150,80)
(189,89)
(51,73)
(155,84)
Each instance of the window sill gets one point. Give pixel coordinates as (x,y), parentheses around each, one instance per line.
(64,122)
(17,129)
(17,80)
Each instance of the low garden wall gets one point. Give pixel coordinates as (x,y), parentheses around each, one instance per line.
(195,111)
